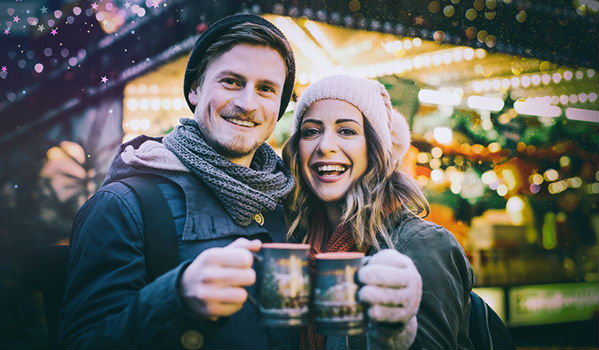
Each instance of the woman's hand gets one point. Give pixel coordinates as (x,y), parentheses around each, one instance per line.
(392,287)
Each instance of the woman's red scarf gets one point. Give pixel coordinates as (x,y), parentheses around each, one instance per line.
(341,240)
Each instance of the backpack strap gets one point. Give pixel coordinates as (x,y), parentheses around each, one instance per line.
(161,251)
(480,333)
(487,330)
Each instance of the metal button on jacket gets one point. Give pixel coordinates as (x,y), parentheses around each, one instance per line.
(192,340)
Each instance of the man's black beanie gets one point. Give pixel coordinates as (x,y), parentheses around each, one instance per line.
(220,28)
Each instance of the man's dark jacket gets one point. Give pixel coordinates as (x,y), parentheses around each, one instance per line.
(108,302)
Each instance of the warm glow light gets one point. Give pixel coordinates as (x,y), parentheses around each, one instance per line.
(443,135)
(437,175)
(502,190)
(436,152)
(423,157)
(494,147)
(537,179)
(304,43)
(537,109)
(435,163)
(489,177)
(134,125)
(551,175)
(302,78)
(166,104)
(564,161)
(575,182)
(515,203)
(480,53)
(438,97)
(144,124)
(485,103)
(144,104)
(510,178)
(515,208)
(468,54)
(320,36)
(455,187)
(132,104)
(177,104)
(155,104)
(586,115)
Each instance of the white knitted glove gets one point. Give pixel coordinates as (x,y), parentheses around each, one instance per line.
(382,337)
(392,288)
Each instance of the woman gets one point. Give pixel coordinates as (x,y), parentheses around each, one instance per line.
(345,152)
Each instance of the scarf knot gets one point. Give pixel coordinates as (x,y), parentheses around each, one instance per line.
(243,192)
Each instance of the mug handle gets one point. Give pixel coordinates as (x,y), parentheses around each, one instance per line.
(251,298)
(257,257)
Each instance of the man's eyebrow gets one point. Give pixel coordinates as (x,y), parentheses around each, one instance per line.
(230,73)
(241,77)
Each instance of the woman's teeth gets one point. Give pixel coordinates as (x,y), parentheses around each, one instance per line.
(335,169)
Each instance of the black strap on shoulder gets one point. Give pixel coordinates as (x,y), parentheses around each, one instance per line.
(487,330)
(161,249)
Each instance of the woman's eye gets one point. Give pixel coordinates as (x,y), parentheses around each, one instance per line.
(309,132)
(347,132)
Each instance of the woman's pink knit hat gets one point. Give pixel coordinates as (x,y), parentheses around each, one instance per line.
(371,98)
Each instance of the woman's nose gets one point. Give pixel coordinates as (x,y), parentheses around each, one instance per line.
(327,143)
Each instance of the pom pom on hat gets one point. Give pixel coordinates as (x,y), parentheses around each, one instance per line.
(368,96)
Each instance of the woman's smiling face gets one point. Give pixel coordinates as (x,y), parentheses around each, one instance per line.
(332,148)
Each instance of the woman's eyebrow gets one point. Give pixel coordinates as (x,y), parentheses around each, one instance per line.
(315,121)
(340,121)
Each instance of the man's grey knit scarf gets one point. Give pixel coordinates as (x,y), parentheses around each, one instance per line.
(243,191)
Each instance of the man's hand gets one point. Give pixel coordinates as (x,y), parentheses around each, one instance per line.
(393,287)
(213,284)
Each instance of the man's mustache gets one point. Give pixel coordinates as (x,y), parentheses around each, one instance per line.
(232,111)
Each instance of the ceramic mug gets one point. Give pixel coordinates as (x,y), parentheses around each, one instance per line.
(336,307)
(283,284)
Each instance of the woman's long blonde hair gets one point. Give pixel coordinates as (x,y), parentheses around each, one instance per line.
(382,190)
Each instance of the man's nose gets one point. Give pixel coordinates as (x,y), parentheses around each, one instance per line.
(246,99)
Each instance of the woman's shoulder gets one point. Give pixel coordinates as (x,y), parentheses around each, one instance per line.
(408,227)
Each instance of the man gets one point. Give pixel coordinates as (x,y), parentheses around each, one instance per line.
(222,184)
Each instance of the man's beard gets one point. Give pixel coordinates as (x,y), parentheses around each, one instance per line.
(236,147)
(233,149)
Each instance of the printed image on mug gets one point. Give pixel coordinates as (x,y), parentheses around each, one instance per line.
(284,287)
(337,312)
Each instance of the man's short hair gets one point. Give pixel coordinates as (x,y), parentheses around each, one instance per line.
(235,30)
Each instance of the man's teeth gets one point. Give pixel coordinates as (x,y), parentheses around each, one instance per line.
(241,122)
(329,168)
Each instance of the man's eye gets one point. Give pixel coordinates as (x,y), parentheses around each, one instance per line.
(230,81)
(266,88)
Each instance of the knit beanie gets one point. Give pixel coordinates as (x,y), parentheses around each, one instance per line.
(371,98)
(223,27)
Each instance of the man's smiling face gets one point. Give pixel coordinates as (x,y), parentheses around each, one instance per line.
(238,101)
